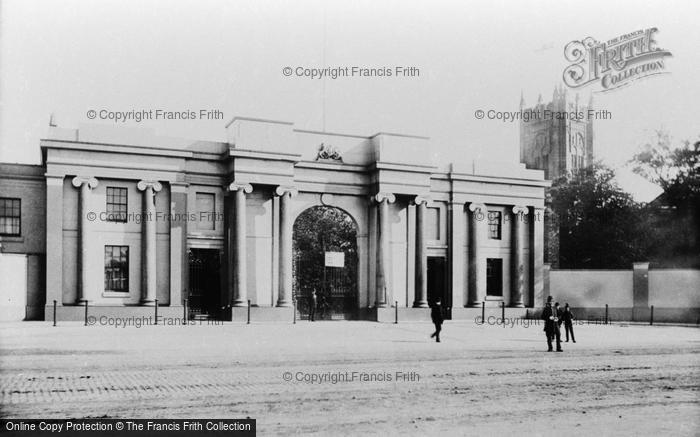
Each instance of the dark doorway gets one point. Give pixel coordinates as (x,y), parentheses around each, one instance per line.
(494,277)
(325,259)
(204,297)
(437,280)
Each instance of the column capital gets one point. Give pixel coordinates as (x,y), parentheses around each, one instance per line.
(422,199)
(236,186)
(537,213)
(474,207)
(381,196)
(518,209)
(80,180)
(284,189)
(144,184)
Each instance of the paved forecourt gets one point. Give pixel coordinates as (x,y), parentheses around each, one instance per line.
(350,377)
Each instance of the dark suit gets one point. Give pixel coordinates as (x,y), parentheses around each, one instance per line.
(568,317)
(436,315)
(551,327)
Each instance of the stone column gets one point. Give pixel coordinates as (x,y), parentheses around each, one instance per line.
(384,291)
(458,269)
(477,214)
(149,266)
(85,184)
(517,276)
(178,243)
(546,289)
(421,298)
(54,245)
(238,265)
(536,257)
(286,281)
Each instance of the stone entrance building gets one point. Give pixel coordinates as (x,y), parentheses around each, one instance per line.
(123,218)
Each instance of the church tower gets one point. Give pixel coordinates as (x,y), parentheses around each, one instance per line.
(557,136)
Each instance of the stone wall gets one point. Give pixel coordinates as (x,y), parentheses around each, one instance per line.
(673,295)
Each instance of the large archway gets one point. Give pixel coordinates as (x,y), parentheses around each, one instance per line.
(326,260)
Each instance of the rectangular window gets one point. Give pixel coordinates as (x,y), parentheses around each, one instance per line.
(494,277)
(10,216)
(117,269)
(206,211)
(116,204)
(495,225)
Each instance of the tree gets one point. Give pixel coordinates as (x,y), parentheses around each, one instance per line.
(673,219)
(675,170)
(598,222)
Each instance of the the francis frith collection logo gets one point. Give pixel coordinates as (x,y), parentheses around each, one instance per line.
(614,63)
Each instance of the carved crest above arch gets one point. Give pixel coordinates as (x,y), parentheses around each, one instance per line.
(328,152)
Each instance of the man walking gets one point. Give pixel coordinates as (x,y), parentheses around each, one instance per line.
(550,315)
(436,315)
(568,318)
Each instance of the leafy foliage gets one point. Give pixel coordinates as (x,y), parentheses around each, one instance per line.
(598,225)
(316,231)
(673,219)
(598,222)
(675,170)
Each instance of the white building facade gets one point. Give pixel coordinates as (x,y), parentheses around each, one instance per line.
(131,219)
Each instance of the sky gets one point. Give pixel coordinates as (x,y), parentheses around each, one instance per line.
(66,58)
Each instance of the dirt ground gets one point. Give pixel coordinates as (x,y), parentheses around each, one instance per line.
(389,379)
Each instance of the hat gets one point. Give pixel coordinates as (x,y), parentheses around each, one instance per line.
(549,298)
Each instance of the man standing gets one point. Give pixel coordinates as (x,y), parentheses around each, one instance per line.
(323,305)
(568,318)
(550,315)
(313,302)
(436,315)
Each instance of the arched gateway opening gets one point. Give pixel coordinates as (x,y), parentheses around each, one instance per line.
(325,259)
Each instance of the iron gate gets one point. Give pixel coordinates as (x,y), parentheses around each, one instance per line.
(204,294)
(336,296)
(320,231)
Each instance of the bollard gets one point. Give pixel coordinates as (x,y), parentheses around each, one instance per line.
(503,313)
(156,309)
(651,316)
(184,311)
(248,322)
(606,313)
(483,312)
(54,312)
(86,312)
(396,312)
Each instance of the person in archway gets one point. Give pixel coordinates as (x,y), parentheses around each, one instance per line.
(313,303)
(438,318)
(323,305)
